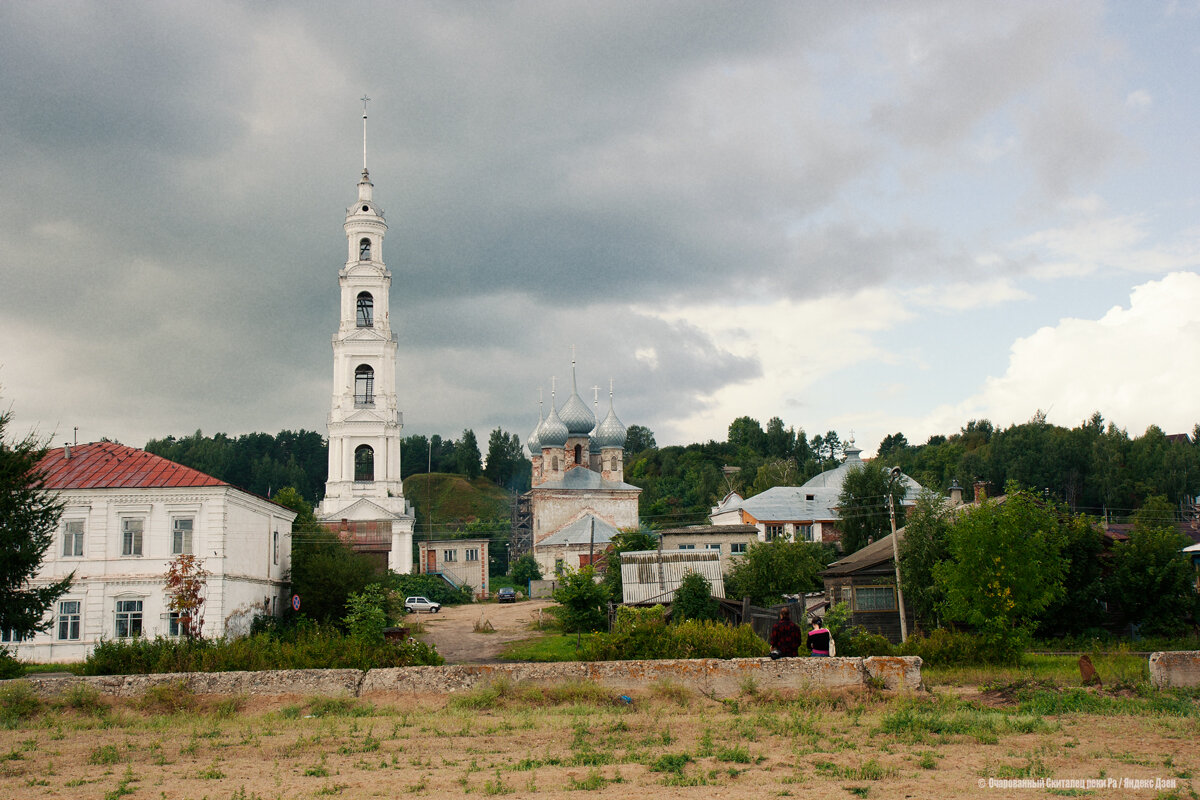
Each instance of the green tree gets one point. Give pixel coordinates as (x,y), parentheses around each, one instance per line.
(625,541)
(863,515)
(583,601)
(466,455)
(922,547)
(776,472)
(524,570)
(507,465)
(367,614)
(693,599)
(781,441)
(638,438)
(29,516)
(770,570)
(747,433)
(1152,580)
(1079,608)
(1005,567)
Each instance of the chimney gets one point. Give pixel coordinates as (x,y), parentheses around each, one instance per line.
(955,494)
(67,451)
(981,491)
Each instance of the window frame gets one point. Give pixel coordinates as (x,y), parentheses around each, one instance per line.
(874,590)
(716,547)
(688,546)
(275,548)
(773,531)
(133,617)
(130,538)
(70,620)
(450,556)
(73,540)
(364,310)
(471,554)
(178,540)
(737,548)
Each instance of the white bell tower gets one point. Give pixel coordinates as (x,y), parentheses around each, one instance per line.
(364,488)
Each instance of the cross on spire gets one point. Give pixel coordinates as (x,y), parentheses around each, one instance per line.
(365,100)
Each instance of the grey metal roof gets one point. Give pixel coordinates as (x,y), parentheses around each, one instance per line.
(533,444)
(580,532)
(711,530)
(552,432)
(648,576)
(584,478)
(792,503)
(575,414)
(610,432)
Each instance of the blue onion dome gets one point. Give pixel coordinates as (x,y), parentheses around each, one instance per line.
(533,443)
(610,432)
(578,418)
(552,432)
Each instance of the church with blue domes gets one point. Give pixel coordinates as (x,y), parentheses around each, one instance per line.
(579,499)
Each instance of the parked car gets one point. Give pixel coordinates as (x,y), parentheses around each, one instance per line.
(415,604)
(507,594)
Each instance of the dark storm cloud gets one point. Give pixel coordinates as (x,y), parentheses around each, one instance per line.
(175,178)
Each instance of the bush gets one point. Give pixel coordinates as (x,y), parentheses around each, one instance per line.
(943,648)
(430,586)
(582,601)
(18,701)
(9,666)
(854,640)
(524,570)
(302,647)
(693,599)
(644,633)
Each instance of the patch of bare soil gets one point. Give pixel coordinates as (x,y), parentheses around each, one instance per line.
(453,629)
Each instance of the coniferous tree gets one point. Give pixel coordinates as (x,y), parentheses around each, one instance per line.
(28,520)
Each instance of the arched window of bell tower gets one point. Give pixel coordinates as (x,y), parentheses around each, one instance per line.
(364,386)
(366,310)
(578,454)
(364,250)
(364,464)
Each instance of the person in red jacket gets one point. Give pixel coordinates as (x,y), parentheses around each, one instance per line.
(819,639)
(786,636)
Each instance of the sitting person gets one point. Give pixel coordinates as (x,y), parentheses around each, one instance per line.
(819,639)
(785,636)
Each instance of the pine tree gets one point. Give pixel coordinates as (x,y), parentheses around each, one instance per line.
(29,516)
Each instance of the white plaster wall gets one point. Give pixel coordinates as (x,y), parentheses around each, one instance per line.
(553,509)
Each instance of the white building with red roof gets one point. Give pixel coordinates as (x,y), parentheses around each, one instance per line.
(126,514)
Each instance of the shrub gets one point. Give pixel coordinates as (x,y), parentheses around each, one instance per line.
(18,701)
(582,601)
(644,633)
(943,648)
(300,647)
(854,640)
(9,666)
(367,615)
(693,599)
(431,586)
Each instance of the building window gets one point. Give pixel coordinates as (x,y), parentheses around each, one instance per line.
(129,618)
(559,566)
(364,464)
(846,595)
(449,555)
(716,547)
(810,497)
(366,310)
(68,620)
(364,386)
(8,635)
(275,548)
(554,464)
(364,250)
(806,532)
(131,537)
(737,548)
(874,598)
(774,532)
(181,536)
(578,454)
(73,538)
(686,547)
(471,554)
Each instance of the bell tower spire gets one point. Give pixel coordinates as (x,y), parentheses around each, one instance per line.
(364,490)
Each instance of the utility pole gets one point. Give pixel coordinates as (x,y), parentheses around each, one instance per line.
(896,554)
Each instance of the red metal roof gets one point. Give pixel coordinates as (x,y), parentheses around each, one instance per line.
(108,465)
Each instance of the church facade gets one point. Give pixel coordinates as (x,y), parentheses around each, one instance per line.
(579,498)
(364,496)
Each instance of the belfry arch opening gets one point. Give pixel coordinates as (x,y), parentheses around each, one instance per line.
(578,454)
(364,250)
(364,385)
(364,464)
(366,310)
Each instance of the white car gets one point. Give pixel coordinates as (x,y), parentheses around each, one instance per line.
(415,604)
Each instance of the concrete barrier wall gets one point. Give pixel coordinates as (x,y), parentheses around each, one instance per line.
(1179,668)
(714,677)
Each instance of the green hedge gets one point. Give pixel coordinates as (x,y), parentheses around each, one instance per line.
(644,633)
(313,647)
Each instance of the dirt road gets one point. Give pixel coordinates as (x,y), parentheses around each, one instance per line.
(452,630)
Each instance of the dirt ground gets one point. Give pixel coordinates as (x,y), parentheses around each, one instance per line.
(671,743)
(452,629)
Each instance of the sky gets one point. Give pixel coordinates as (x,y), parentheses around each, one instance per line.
(869,218)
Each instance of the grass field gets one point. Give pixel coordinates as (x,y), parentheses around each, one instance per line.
(560,741)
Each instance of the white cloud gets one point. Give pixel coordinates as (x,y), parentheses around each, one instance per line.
(1134,365)
(1114,243)
(965,296)
(1139,99)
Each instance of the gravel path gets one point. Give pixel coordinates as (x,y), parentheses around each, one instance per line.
(452,630)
